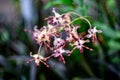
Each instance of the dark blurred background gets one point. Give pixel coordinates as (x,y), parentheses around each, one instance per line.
(101,64)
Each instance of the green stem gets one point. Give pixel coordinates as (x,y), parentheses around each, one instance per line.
(74,20)
(80,17)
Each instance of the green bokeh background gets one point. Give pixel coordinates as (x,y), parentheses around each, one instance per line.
(103,63)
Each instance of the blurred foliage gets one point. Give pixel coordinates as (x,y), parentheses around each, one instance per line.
(101,64)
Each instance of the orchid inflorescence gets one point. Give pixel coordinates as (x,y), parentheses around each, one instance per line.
(53,33)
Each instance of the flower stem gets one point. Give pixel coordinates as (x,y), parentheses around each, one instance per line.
(39,48)
(80,17)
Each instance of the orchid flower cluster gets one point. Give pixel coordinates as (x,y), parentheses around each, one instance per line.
(53,32)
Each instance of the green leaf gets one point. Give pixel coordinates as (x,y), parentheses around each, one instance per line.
(76,55)
(4,36)
(67,2)
(66,9)
(114,45)
(79,2)
(58,2)
(53,3)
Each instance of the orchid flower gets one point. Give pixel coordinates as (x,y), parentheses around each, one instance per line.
(41,35)
(79,44)
(54,20)
(59,53)
(37,58)
(58,42)
(92,33)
